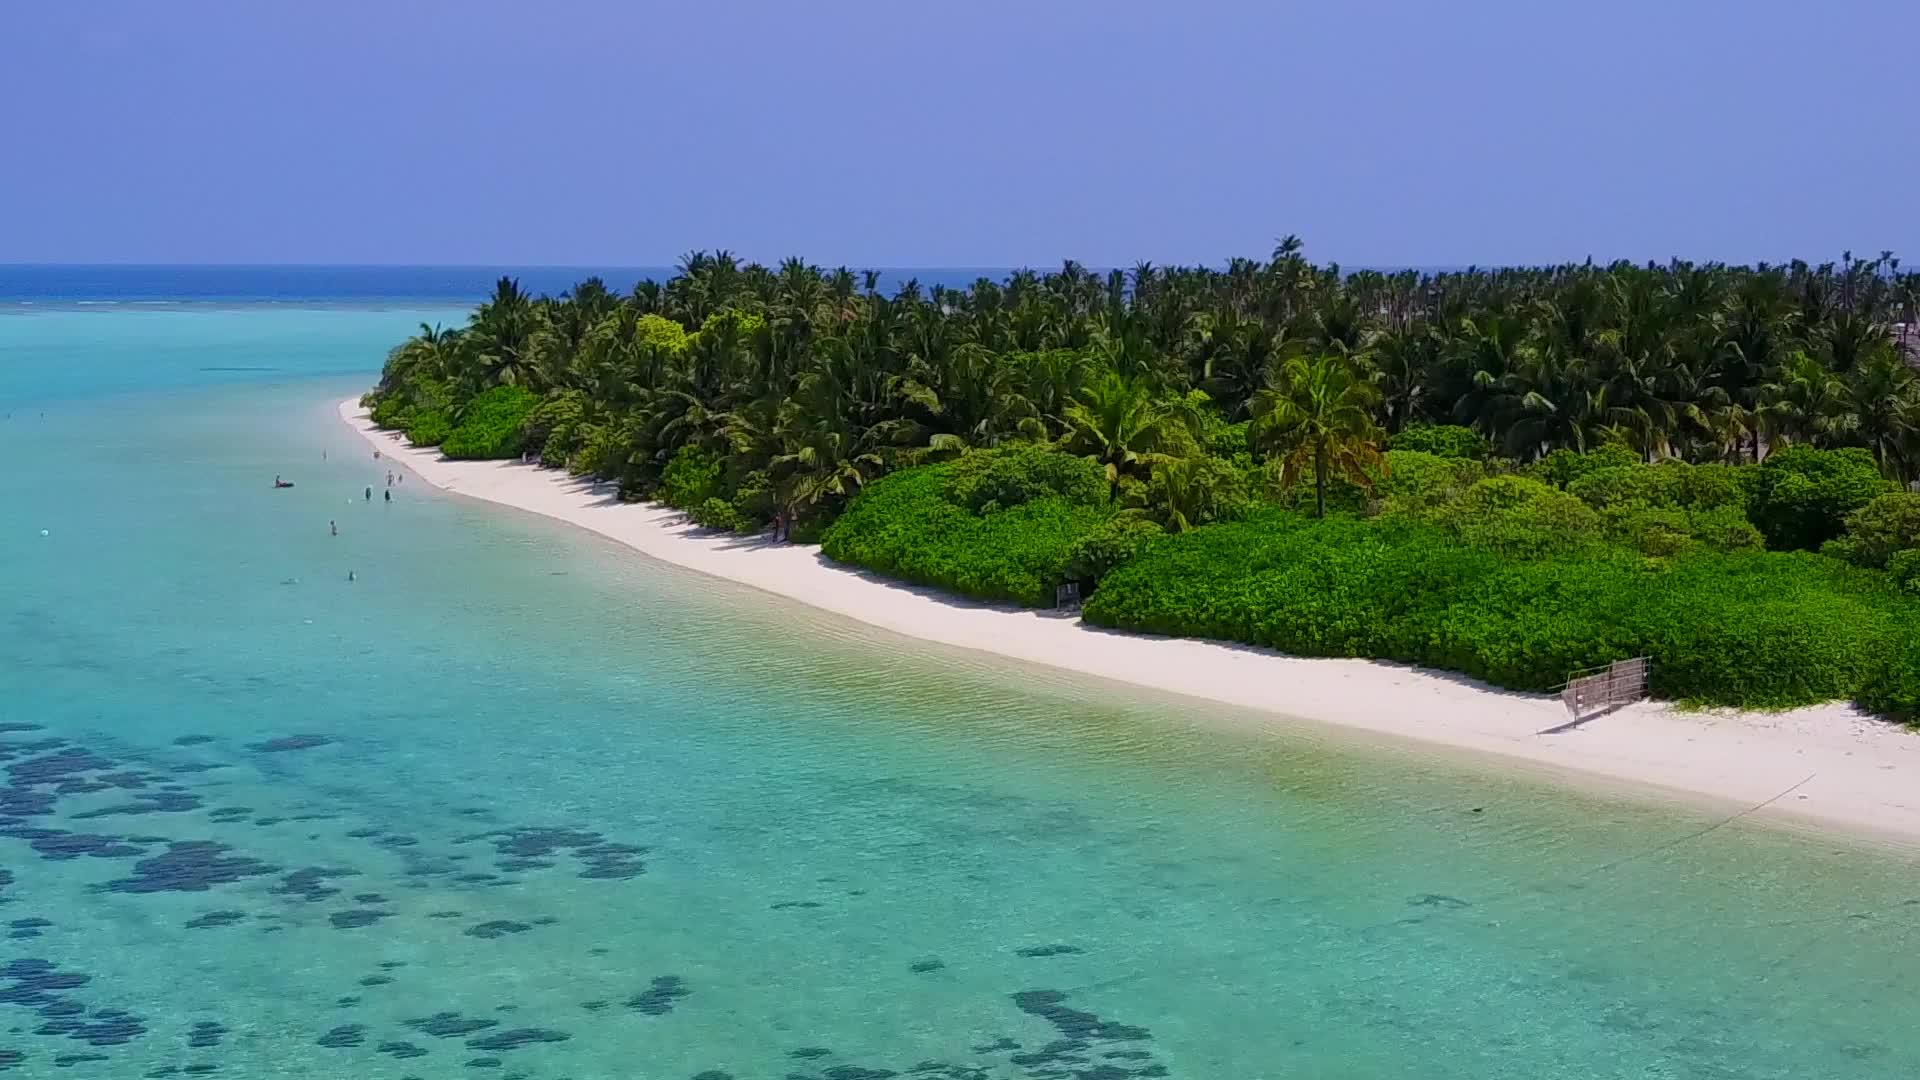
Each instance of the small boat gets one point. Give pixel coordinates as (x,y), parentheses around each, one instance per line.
(282,483)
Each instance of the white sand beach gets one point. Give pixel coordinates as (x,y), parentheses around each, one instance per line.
(1827,766)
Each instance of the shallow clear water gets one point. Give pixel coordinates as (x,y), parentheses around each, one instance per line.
(518,802)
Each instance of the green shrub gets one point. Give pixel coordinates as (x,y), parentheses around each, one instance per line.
(1669,484)
(1110,545)
(1724,527)
(1562,467)
(491,425)
(1662,530)
(1442,440)
(559,415)
(907,525)
(602,452)
(558,448)
(742,324)
(392,412)
(428,427)
(1228,441)
(1904,570)
(1762,629)
(1803,495)
(691,478)
(1647,529)
(1417,483)
(717,513)
(984,480)
(1519,517)
(1751,628)
(1892,690)
(1332,587)
(753,498)
(662,333)
(1530,624)
(1879,530)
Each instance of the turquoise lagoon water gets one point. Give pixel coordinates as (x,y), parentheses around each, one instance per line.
(516,802)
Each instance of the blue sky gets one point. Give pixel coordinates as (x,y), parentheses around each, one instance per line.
(988,133)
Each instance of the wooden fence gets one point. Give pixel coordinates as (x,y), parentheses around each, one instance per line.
(1596,690)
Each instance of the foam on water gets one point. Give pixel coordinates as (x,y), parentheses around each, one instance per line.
(517,802)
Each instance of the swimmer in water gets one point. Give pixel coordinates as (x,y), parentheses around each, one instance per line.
(389,495)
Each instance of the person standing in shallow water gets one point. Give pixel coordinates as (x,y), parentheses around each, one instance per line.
(389,495)
(333,528)
(369,492)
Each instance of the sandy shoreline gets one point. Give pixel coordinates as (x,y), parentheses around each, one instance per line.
(1851,772)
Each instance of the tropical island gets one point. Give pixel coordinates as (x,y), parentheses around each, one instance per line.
(1511,474)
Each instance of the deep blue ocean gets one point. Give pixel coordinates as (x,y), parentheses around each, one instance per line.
(357,286)
(513,801)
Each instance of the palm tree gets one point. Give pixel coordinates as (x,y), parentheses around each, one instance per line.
(500,330)
(1802,403)
(818,462)
(1190,491)
(1119,423)
(839,382)
(1403,362)
(1879,404)
(1319,415)
(432,355)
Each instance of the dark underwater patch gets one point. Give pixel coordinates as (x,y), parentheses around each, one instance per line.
(311,883)
(288,743)
(448,1025)
(190,866)
(58,845)
(496,929)
(658,999)
(147,802)
(346,1035)
(215,918)
(205,1034)
(528,848)
(515,1038)
(354,918)
(1047,950)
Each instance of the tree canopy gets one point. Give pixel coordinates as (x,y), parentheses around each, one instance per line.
(1581,425)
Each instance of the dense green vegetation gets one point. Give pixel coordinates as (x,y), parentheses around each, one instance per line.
(490,425)
(995,525)
(1751,628)
(1507,473)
